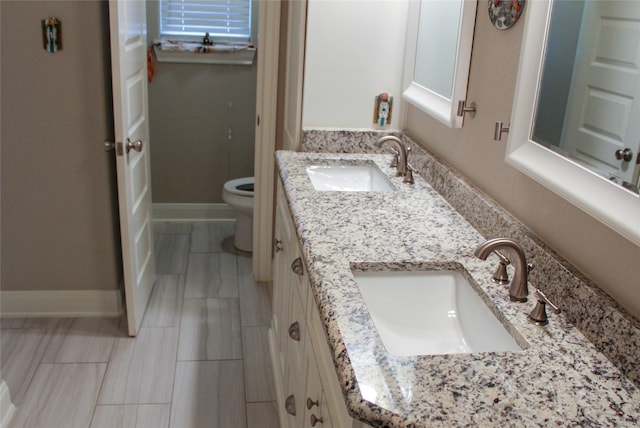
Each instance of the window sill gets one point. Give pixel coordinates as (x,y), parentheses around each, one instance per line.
(240,57)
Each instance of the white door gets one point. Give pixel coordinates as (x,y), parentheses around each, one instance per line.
(131,120)
(602,125)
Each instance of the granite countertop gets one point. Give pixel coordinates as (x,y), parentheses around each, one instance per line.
(558,378)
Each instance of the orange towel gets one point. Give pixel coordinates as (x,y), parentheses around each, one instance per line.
(150,63)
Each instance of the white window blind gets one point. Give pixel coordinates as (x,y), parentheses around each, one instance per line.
(226,19)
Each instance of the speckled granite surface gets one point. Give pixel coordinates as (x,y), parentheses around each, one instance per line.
(614,332)
(558,378)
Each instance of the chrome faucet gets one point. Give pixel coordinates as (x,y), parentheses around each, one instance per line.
(402,152)
(518,289)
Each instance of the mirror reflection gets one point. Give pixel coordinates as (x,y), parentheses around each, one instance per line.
(441,19)
(588,107)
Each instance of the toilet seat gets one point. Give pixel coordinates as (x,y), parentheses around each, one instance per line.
(235,186)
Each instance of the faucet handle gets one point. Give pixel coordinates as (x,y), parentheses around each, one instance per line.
(394,161)
(408,177)
(501,276)
(538,315)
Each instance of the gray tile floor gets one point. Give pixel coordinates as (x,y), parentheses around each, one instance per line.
(201,358)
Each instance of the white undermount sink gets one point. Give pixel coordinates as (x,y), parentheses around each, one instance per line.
(430,312)
(348,178)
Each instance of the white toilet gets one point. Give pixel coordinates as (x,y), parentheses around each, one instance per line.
(238,194)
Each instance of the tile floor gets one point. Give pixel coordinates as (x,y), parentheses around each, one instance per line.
(201,358)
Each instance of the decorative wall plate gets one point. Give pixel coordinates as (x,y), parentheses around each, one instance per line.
(505,13)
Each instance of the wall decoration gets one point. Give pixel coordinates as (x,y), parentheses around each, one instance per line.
(52,34)
(505,13)
(382,109)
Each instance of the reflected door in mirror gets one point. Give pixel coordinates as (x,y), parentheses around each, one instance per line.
(593,62)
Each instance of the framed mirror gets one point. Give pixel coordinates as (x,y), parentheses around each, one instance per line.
(438,55)
(567,167)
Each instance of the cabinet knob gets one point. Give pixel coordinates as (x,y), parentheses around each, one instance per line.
(311,403)
(314,420)
(290,405)
(297,266)
(294,331)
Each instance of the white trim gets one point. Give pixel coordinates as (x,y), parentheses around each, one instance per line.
(61,303)
(6,406)
(439,107)
(266,109)
(612,205)
(192,212)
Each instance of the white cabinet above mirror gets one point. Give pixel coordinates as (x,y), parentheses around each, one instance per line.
(438,55)
(568,171)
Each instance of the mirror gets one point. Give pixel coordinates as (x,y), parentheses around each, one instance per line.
(438,55)
(569,172)
(589,98)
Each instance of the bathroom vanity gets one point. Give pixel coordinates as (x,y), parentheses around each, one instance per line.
(333,369)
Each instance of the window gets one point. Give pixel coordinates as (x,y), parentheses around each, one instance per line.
(224,20)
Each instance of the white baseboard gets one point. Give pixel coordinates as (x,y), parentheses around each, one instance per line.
(193,212)
(61,303)
(6,406)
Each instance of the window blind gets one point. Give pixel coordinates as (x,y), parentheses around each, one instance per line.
(193,18)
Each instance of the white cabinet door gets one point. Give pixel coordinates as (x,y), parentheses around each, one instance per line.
(131,122)
(316,413)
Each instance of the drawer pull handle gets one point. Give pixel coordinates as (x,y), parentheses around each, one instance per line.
(314,420)
(294,331)
(311,403)
(290,405)
(297,267)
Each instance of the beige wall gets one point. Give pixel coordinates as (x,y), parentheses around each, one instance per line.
(610,260)
(192,155)
(59,230)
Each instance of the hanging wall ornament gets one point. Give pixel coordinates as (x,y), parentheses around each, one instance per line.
(52,34)
(505,13)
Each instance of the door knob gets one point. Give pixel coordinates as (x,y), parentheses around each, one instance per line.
(135,145)
(624,154)
(109,145)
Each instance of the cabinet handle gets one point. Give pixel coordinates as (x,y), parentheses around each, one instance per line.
(297,267)
(311,403)
(314,420)
(278,246)
(290,405)
(294,331)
